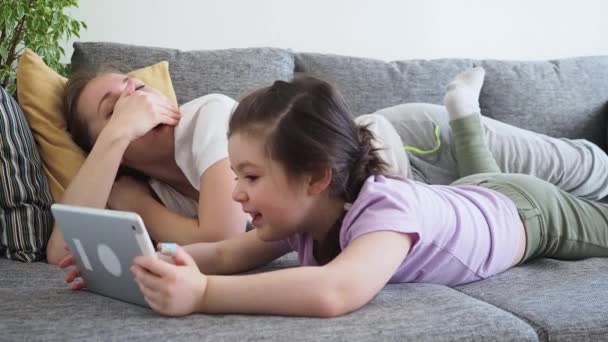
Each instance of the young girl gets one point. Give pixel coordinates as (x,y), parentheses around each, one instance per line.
(312,182)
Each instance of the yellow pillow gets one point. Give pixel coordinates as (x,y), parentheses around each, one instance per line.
(40,91)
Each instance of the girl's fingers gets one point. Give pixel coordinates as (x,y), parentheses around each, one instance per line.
(78,286)
(153,265)
(154,299)
(151,295)
(148,280)
(182,257)
(153,304)
(67,261)
(73,274)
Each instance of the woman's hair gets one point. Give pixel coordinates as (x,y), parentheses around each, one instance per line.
(76,123)
(308,127)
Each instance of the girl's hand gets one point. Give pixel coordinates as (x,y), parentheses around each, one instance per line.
(138,112)
(172,290)
(126,192)
(74,273)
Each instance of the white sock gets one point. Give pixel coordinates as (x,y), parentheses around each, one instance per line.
(462,97)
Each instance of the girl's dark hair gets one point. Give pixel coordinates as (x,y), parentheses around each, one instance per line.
(76,124)
(308,127)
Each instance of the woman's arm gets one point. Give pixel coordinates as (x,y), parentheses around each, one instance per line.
(345,284)
(135,114)
(130,194)
(91,186)
(220,217)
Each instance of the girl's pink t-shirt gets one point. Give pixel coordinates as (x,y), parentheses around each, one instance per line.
(461,233)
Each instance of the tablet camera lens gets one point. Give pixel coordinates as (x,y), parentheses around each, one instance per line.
(133,227)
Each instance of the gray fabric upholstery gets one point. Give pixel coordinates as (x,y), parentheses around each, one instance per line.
(561,98)
(37,305)
(369,85)
(232,72)
(562,300)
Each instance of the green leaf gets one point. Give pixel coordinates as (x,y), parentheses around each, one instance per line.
(3,54)
(44,29)
(20,10)
(11,23)
(11,88)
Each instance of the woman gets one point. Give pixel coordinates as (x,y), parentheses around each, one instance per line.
(121,122)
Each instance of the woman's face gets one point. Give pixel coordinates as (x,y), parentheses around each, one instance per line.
(96,106)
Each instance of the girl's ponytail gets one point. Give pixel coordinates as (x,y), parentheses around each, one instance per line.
(368,162)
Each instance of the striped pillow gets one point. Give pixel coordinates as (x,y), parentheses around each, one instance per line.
(25,200)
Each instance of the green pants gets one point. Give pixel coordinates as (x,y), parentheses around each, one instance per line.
(557,224)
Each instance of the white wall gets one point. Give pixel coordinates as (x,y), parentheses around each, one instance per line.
(384,29)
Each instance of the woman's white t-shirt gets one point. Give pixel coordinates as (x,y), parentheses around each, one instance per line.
(201,141)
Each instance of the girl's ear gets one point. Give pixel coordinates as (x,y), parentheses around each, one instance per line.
(319,181)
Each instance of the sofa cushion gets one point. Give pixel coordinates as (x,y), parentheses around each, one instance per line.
(232,72)
(25,200)
(560,98)
(40,91)
(562,300)
(35,296)
(369,84)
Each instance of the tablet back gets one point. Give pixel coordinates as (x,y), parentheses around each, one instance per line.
(105,243)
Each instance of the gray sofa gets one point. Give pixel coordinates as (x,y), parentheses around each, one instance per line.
(546,300)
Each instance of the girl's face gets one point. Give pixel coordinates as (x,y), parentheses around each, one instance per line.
(278,207)
(96,105)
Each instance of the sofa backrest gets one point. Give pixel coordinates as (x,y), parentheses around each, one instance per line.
(232,72)
(562,98)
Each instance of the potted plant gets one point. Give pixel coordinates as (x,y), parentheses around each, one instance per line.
(39,25)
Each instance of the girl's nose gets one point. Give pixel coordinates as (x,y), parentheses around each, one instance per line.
(239,195)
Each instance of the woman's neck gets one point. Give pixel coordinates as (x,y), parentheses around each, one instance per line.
(170,174)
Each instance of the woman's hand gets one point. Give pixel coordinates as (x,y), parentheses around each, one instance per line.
(126,192)
(137,112)
(74,273)
(172,290)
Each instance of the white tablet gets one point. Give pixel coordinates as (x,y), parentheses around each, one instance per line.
(104,243)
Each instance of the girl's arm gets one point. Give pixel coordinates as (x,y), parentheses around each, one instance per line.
(236,255)
(345,284)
